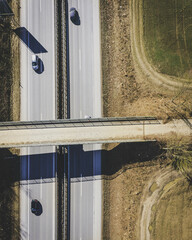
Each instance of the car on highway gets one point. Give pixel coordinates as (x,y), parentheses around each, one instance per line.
(35,206)
(35,62)
(74,16)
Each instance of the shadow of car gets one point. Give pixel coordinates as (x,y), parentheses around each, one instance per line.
(36,207)
(74,16)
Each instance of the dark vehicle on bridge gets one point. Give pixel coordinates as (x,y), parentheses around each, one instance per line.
(36,207)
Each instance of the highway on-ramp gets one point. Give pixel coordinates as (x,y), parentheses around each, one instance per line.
(85,100)
(37,34)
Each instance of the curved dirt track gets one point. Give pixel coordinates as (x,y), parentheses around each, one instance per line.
(160,180)
(140,59)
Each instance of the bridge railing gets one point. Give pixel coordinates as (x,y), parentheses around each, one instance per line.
(72,123)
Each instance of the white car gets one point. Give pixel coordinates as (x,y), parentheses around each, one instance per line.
(35,62)
(87,117)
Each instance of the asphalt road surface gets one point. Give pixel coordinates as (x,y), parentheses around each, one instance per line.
(84,47)
(85,100)
(37,103)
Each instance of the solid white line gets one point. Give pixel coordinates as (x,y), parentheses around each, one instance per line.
(81,186)
(40,5)
(79,59)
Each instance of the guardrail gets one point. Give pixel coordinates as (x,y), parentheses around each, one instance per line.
(72,123)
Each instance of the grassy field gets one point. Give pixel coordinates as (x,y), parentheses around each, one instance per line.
(168,34)
(127,91)
(171,215)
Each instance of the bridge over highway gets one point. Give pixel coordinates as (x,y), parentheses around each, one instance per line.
(81,131)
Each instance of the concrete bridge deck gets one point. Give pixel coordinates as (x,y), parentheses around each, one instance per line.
(105,130)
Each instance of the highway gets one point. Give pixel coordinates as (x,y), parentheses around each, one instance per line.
(38,103)
(85,100)
(84,53)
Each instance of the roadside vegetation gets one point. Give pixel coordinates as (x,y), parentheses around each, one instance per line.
(179,152)
(9,67)
(167,32)
(9,111)
(172,212)
(5,69)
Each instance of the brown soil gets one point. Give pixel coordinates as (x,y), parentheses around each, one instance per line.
(15,58)
(173,212)
(122,196)
(128,92)
(10,67)
(10,111)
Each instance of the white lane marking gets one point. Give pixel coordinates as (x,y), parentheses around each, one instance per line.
(41,189)
(28,199)
(81,186)
(79,59)
(40,5)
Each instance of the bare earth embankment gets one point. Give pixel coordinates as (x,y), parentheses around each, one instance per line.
(132,86)
(9,111)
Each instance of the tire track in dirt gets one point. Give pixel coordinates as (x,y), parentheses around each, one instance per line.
(151,197)
(139,57)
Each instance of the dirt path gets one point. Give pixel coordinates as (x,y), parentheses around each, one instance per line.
(150,197)
(140,59)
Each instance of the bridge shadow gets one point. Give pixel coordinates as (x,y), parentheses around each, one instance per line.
(29,40)
(102,162)
(84,164)
(9,176)
(128,153)
(38,166)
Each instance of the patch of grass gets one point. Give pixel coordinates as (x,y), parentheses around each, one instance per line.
(179,154)
(153,187)
(172,217)
(167,34)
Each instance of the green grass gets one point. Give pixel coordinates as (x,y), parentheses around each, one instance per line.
(168,35)
(171,219)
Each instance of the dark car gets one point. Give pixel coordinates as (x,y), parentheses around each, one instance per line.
(35,206)
(74,16)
